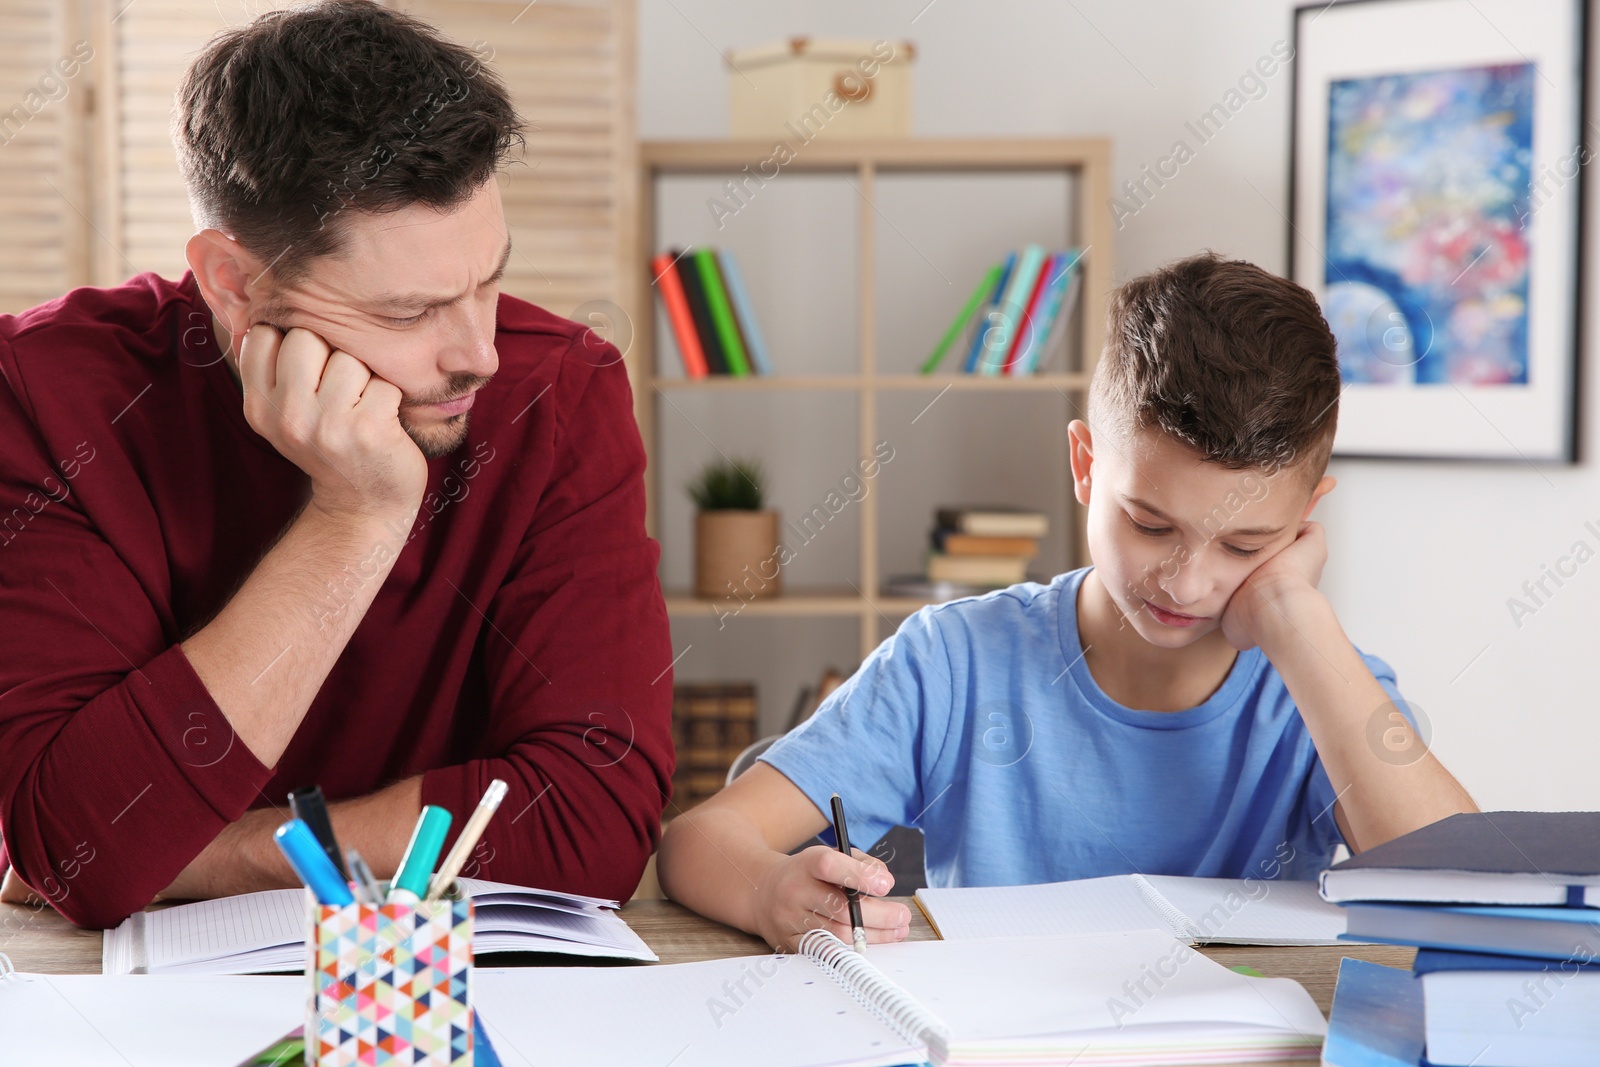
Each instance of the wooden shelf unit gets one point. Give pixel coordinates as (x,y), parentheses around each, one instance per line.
(1087,160)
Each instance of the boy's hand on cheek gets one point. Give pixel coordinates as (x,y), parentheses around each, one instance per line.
(1264,597)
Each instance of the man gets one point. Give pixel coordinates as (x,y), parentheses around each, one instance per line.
(329,510)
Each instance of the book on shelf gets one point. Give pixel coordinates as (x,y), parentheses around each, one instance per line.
(986,571)
(711,724)
(956,543)
(993,521)
(918,587)
(1019,287)
(722,321)
(670,284)
(1017,313)
(712,317)
(700,312)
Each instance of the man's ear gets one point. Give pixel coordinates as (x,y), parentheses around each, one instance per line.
(1080,451)
(1324,487)
(225,273)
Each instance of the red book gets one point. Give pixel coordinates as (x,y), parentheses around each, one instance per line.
(1022,335)
(665,269)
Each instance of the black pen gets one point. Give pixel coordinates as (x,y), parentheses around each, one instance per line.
(307,805)
(842,838)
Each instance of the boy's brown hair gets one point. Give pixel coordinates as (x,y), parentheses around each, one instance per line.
(284,123)
(1229,359)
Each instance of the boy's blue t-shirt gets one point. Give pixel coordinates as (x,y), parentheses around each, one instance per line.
(979,723)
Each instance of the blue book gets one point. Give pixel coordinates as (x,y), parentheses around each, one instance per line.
(1431,960)
(1376,1019)
(1013,305)
(1544,933)
(744,311)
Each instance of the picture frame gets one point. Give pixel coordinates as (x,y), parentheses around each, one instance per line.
(1436,187)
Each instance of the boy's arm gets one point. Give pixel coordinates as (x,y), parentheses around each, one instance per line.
(1383,788)
(728,860)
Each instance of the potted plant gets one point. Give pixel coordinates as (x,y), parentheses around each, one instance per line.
(735,538)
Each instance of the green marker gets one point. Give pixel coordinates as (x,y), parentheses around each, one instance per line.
(416,866)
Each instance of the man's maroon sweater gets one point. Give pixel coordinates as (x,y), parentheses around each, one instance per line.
(521,634)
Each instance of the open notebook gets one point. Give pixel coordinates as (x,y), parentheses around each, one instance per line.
(1126,999)
(266,932)
(1213,911)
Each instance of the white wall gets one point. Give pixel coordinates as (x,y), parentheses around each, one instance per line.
(1424,556)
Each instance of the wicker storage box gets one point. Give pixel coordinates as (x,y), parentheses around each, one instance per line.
(807,87)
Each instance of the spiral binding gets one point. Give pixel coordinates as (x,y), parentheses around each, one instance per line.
(872,989)
(7,969)
(1182,926)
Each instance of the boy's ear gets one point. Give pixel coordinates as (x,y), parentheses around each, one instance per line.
(225,272)
(1080,451)
(1323,488)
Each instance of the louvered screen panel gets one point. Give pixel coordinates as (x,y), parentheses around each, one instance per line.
(43,187)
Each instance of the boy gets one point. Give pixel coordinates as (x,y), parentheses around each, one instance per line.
(1187,705)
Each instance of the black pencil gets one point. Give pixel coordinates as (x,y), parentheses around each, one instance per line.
(842,839)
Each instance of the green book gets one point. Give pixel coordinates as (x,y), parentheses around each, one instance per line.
(705,261)
(960,323)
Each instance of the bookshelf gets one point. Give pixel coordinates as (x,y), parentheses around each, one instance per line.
(1084,163)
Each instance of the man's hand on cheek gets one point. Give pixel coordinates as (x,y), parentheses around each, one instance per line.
(328,414)
(1259,600)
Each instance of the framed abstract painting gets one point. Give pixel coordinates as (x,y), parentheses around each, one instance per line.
(1435,196)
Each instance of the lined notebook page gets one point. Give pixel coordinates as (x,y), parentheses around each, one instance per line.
(214,929)
(1245,911)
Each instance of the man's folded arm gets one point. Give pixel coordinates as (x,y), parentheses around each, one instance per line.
(578,658)
(116,766)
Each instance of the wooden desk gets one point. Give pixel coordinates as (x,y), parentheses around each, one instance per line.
(41,941)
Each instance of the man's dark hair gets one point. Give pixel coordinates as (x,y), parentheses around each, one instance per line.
(1226,358)
(287,122)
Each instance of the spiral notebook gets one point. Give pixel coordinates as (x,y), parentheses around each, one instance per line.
(1207,911)
(1126,999)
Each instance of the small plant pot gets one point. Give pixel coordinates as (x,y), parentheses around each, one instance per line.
(736,554)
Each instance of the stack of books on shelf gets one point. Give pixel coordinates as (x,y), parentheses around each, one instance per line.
(1505,909)
(1015,315)
(984,548)
(711,725)
(709,308)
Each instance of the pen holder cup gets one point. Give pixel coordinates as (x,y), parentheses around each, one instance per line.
(390,984)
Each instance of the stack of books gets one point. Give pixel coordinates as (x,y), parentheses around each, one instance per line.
(984,548)
(709,307)
(711,724)
(1014,316)
(1505,909)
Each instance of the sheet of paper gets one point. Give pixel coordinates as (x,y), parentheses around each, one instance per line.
(81,1020)
(1254,912)
(1236,910)
(776,1011)
(1087,906)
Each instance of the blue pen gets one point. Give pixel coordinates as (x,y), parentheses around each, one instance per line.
(304,853)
